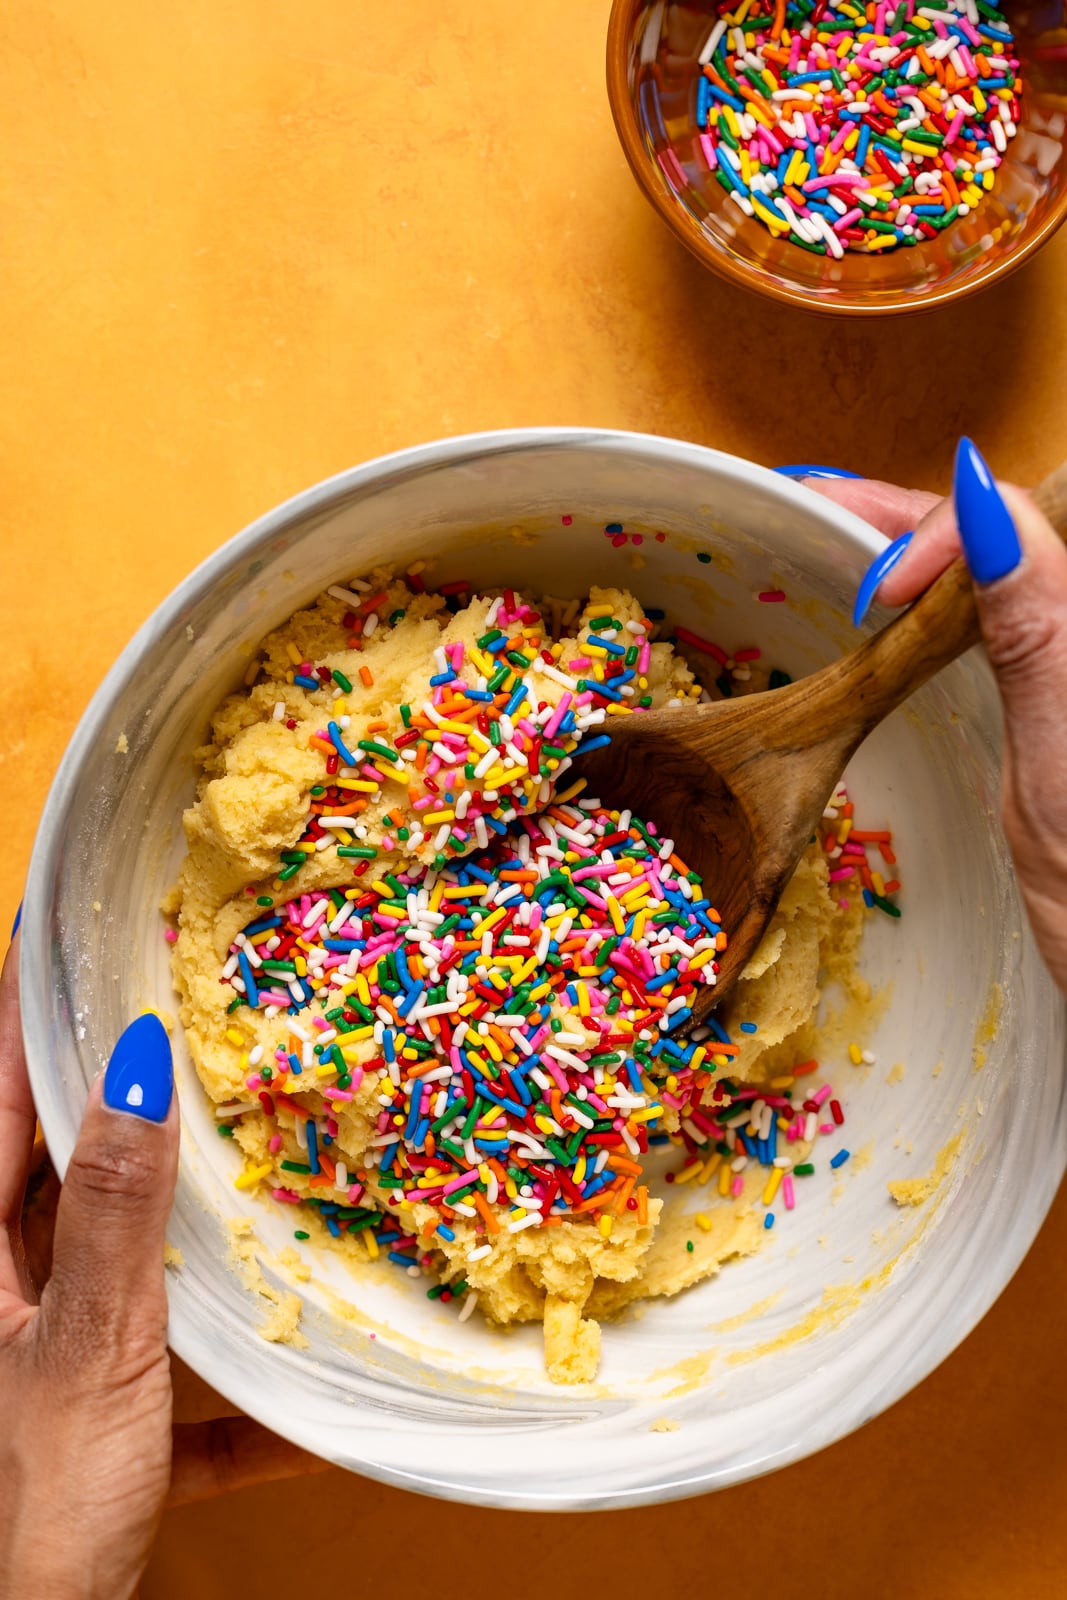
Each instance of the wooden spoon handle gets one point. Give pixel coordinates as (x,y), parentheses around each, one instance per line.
(870,682)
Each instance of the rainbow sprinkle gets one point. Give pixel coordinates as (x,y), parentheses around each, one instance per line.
(848,126)
(510,1009)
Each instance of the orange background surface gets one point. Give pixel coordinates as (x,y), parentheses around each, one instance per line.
(247,244)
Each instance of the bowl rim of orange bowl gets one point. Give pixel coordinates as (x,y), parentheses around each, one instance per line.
(684,226)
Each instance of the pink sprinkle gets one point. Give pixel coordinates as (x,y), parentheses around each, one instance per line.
(788,1195)
(285,1195)
(708,148)
(737,1188)
(566,521)
(841,872)
(771,596)
(274,1144)
(171,935)
(822,1094)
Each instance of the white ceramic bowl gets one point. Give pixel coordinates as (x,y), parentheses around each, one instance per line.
(852,1301)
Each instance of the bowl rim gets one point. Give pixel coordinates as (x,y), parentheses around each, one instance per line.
(755,280)
(60,1124)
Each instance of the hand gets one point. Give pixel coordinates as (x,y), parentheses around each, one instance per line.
(1019,565)
(87,1455)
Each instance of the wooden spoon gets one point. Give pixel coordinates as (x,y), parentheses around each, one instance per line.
(741,785)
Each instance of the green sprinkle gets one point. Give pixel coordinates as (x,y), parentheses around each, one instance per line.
(805,1169)
(225,1130)
(704,556)
(295,1166)
(690,1246)
(300,1234)
(264,900)
(341,681)
(779,679)
(885,905)
(405,716)
(376,749)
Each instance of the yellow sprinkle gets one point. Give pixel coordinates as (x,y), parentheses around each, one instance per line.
(711,1167)
(371,1242)
(771,1188)
(618,921)
(605,1226)
(325,1070)
(701,959)
(687,1174)
(361,785)
(236,1037)
(725,1177)
(702,1220)
(447,815)
(980,101)
(855,1055)
(294,655)
(252,1175)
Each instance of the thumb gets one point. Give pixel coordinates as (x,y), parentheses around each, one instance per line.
(1019,565)
(106,1289)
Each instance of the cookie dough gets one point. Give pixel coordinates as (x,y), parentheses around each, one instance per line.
(261,767)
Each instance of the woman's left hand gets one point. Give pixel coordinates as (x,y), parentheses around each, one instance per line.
(88,1459)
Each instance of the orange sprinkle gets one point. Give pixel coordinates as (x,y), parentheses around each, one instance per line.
(642,1203)
(366,677)
(486,1210)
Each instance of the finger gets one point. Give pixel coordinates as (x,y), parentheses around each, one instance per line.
(107,1272)
(935,546)
(18,1120)
(212,1458)
(891,510)
(1020,570)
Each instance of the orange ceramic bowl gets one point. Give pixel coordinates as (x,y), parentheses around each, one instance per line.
(653,72)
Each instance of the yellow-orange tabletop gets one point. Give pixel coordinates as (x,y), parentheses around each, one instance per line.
(248,244)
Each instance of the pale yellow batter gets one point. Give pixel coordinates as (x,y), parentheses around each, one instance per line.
(253,803)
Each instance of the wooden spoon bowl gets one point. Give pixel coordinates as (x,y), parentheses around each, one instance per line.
(740,786)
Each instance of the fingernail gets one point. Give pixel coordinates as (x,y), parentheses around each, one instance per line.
(140,1075)
(882,563)
(803,471)
(18,919)
(987,533)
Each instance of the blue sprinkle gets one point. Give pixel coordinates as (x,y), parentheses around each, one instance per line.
(840,1158)
(251,992)
(768,1221)
(446,1233)
(339,745)
(609,645)
(441,678)
(306,683)
(749,1027)
(593,744)
(313,1146)
(518,695)
(616,527)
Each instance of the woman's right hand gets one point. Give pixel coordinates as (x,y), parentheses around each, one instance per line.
(1019,567)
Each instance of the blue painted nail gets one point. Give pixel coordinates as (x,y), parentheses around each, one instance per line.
(987,533)
(140,1075)
(877,570)
(815,472)
(18,919)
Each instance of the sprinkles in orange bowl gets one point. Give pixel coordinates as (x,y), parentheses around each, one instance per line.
(842,125)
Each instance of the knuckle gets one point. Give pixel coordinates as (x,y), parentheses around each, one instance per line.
(113,1174)
(1024,644)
